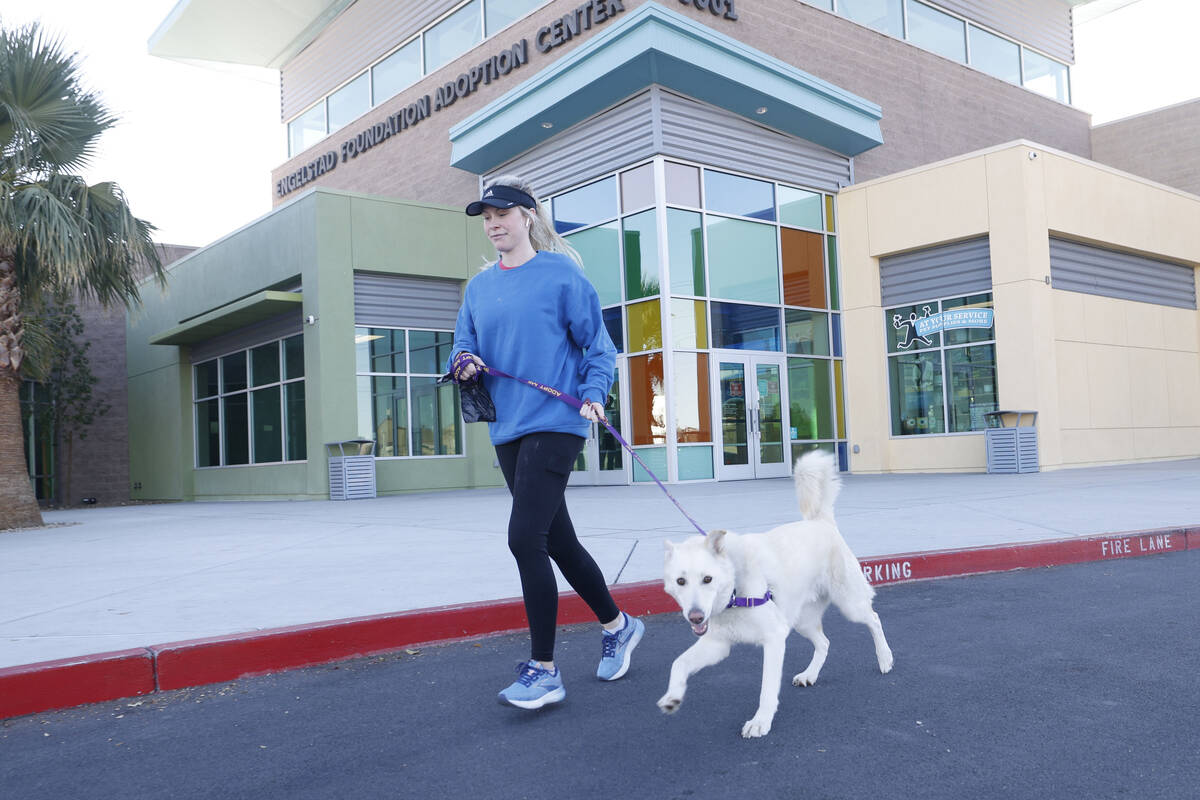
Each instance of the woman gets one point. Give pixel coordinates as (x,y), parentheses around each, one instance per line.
(534,314)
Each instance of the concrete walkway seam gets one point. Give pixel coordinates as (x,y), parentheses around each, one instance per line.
(64,683)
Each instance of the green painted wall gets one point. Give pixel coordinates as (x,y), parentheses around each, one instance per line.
(317,241)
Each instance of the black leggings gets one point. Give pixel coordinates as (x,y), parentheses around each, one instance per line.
(536,468)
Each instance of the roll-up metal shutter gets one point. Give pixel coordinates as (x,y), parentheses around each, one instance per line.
(268,330)
(947,270)
(701,132)
(1077,267)
(616,137)
(398,301)
(658,121)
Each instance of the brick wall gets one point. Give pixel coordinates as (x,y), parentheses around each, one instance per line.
(933,108)
(99,464)
(1162,145)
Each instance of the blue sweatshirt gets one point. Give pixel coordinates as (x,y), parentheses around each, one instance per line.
(539,321)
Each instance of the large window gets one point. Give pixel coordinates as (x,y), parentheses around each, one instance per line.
(941,365)
(249,406)
(751,264)
(441,42)
(401,407)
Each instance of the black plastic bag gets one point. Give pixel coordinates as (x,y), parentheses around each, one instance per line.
(474,400)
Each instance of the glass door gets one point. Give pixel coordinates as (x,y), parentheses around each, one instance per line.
(748,390)
(602,461)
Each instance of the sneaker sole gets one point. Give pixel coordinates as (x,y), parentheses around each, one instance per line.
(554,696)
(637,637)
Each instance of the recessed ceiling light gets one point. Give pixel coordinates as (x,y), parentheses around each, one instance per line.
(547,125)
(760,110)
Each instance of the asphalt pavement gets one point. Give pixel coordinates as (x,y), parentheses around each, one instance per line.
(1065,682)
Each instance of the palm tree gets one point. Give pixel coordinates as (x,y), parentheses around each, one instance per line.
(58,235)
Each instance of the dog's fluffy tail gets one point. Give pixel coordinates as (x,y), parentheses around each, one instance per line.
(817,484)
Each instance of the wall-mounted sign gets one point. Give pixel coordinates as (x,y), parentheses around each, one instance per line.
(920,328)
(562,30)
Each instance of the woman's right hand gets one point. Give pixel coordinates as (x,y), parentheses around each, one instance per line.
(466,367)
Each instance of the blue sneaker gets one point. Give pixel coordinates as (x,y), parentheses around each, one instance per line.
(534,687)
(617,647)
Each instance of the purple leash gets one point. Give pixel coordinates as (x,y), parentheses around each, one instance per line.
(575,402)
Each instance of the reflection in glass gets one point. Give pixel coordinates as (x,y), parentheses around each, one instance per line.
(205,381)
(398,71)
(646,399)
(429,351)
(612,454)
(453,36)
(599,248)
(803,268)
(972,389)
(1046,76)
(297,437)
(233,372)
(268,430)
(616,331)
(637,188)
(884,16)
(693,418)
(349,102)
(502,13)
(208,434)
(685,247)
(743,260)
(937,31)
(734,424)
(236,415)
(587,205)
(810,393)
(807,332)
(264,364)
(741,327)
(915,381)
(307,129)
(293,357)
(683,184)
(641,255)
(994,55)
(383,413)
(689,324)
(835,301)
(743,197)
(645,325)
(800,208)
(435,418)
(769,414)
(967,335)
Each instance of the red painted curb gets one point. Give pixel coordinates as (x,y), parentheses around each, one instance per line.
(59,684)
(70,682)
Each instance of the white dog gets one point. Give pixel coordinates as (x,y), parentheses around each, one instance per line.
(756,588)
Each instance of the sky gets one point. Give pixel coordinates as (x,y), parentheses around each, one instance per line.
(195,147)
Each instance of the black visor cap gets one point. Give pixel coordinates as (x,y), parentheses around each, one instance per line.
(500,197)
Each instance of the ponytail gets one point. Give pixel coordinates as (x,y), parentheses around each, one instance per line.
(541,228)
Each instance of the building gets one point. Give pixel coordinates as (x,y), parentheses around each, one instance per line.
(860,226)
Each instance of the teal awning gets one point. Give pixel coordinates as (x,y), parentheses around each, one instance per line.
(654,45)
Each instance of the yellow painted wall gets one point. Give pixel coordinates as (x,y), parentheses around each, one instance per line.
(1113,381)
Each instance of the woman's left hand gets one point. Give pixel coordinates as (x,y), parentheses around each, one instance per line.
(593,411)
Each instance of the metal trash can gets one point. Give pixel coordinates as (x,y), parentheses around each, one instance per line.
(351,469)
(1011,448)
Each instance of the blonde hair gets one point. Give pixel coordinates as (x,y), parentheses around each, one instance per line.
(541,228)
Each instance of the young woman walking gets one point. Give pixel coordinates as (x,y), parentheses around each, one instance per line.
(534,314)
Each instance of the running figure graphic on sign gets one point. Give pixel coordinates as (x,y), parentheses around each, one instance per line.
(910,328)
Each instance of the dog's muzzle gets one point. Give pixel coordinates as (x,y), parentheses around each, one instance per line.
(698,621)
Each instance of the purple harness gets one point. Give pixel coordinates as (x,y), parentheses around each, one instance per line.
(575,402)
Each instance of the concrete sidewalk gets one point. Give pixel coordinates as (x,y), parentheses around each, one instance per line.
(108,579)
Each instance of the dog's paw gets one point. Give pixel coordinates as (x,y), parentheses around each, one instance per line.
(885,662)
(804,678)
(755,728)
(669,704)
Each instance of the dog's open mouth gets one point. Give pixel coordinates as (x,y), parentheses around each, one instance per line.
(700,629)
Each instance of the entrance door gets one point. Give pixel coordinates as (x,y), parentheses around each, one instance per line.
(603,460)
(752,408)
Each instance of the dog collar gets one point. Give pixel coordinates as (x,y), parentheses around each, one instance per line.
(748,602)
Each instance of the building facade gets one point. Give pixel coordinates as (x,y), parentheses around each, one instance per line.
(861,225)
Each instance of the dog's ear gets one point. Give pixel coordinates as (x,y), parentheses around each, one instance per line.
(715,540)
(668,550)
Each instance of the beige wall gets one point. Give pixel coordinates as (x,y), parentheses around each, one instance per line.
(1113,381)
